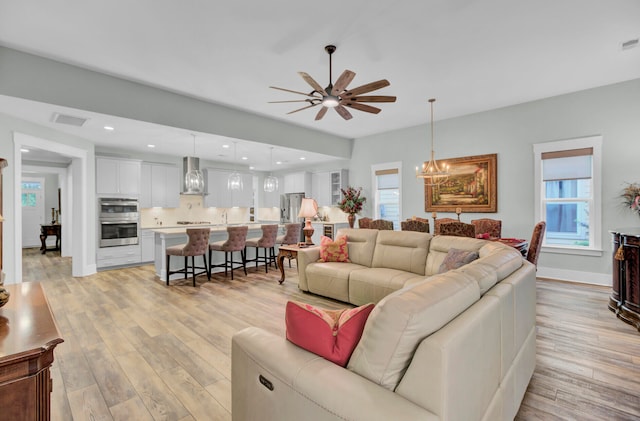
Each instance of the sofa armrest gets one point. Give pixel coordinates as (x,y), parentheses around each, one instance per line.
(273,379)
(305,257)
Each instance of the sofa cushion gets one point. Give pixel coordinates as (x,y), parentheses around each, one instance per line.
(439,247)
(402,250)
(456,258)
(372,285)
(361,243)
(331,334)
(330,279)
(334,251)
(401,320)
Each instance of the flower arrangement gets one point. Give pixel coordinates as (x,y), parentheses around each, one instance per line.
(631,197)
(351,202)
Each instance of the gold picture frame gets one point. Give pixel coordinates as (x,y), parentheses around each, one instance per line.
(471,186)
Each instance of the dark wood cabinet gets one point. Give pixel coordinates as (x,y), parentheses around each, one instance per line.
(28,336)
(625,295)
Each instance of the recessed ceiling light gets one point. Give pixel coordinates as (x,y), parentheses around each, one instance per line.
(24,150)
(225,146)
(151,146)
(244,158)
(278,162)
(251,168)
(302,158)
(109,128)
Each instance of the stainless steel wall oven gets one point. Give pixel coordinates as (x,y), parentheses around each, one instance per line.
(119,222)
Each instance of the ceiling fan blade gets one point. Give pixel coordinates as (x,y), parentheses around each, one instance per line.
(321,113)
(343,81)
(344,113)
(315,85)
(373,86)
(303,108)
(295,92)
(374,98)
(362,107)
(297,100)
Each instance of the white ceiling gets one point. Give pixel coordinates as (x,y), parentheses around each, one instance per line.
(470,55)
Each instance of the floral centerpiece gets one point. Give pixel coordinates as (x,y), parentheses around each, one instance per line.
(631,197)
(351,202)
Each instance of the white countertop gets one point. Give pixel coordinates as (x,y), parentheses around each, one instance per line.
(182,229)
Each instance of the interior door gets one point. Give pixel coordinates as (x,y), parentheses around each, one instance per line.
(32,211)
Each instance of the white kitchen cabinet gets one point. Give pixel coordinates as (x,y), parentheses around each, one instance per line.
(219,195)
(321,188)
(298,182)
(118,256)
(117,176)
(339,180)
(326,186)
(160,186)
(147,246)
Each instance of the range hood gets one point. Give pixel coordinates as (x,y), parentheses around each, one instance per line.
(191,164)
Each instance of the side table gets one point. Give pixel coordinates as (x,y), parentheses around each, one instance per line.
(290,252)
(47,230)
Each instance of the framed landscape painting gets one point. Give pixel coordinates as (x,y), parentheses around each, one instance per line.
(471,186)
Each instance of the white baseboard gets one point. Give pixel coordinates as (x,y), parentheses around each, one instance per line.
(603,279)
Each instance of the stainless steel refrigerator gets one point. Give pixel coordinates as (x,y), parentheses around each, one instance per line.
(290,207)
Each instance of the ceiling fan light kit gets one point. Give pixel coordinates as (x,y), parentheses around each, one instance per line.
(434,174)
(338,96)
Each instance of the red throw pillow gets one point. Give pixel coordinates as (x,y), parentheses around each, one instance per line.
(331,334)
(334,251)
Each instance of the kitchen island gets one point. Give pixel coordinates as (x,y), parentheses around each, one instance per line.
(167,237)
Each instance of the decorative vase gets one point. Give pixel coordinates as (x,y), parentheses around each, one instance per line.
(352,219)
(4,294)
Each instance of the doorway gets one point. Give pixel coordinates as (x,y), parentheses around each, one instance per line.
(32,210)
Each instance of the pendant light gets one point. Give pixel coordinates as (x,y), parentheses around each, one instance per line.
(270,182)
(235,179)
(432,173)
(193,179)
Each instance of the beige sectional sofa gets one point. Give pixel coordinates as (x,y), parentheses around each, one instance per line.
(458,345)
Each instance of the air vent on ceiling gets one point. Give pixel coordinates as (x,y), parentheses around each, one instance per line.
(68,119)
(630,44)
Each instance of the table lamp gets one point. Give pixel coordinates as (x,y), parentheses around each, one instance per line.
(308,209)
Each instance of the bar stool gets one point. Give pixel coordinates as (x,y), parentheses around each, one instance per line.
(237,237)
(291,235)
(197,245)
(266,242)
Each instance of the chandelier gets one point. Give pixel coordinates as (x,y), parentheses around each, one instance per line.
(432,173)
(193,179)
(270,182)
(235,179)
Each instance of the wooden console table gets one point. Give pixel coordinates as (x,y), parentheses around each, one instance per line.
(28,336)
(625,297)
(45,231)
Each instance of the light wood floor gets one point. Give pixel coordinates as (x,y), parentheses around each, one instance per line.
(137,350)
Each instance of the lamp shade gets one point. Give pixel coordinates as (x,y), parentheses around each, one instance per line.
(308,208)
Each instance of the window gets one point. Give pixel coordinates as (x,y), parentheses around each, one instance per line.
(387,192)
(567,177)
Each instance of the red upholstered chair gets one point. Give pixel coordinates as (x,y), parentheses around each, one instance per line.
(197,245)
(414,225)
(381,224)
(364,222)
(268,243)
(235,242)
(439,222)
(493,227)
(536,242)
(458,229)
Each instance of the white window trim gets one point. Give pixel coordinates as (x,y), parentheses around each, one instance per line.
(374,184)
(594,142)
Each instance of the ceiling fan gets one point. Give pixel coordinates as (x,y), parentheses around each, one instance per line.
(338,96)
